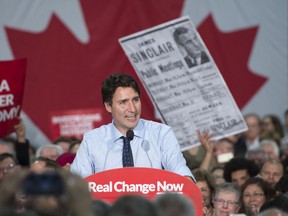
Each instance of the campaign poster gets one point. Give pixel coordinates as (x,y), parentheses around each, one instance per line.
(12,80)
(183,81)
(74,123)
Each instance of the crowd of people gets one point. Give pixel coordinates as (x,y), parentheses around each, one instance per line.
(242,174)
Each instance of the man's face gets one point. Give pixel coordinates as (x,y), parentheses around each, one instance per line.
(125,108)
(253,127)
(269,150)
(239,177)
(271,173)
(191,44)
(7,166)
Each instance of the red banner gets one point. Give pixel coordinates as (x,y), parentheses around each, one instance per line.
(74,123)
(12,78)
(147,182)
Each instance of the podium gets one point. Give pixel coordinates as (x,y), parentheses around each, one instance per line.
(148,182)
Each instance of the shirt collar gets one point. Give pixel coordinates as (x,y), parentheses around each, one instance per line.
(138,130)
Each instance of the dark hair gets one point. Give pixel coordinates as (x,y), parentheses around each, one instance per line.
(62,139)
(179,31)
(114,81)
(276,123)
(239,163)
(133,205)
(282,185)
(204,175)
(5,155)
(267,190)
(101,207)
(279,202)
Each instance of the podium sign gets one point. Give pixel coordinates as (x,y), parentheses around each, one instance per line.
(111,184)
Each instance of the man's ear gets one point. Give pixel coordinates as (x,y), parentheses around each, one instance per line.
(107,107)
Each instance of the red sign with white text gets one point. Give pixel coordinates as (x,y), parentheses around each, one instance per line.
(111,184)
(12,78)
(74,123)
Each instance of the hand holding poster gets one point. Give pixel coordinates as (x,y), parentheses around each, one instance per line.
(183,81)
(12,77)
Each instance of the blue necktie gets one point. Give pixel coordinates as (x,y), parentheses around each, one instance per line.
(127,156)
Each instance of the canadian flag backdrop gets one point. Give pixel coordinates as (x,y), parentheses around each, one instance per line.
(71,46)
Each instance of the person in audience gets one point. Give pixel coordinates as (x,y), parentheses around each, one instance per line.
(258,156)
(19,146)
(286,122)
(281,187)
(8,165)
(7,145)
(271,149)
(48,194)
(100,207)
(42,164)
(63,142)
(272,127)
(271,172)
(223,151)
(249,140)
(227,199)
(133,205)
(206,183)
(238,170)
(279,202)
(218,172)
(255,193)
(201,156)
(174,204)
(50,151)
(272,212)
(74,146)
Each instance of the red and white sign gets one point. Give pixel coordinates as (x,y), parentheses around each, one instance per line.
(111,184)
(74,123)
(12,78)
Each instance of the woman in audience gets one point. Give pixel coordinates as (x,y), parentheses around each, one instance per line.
(255,193)
(206,183)
(227,199)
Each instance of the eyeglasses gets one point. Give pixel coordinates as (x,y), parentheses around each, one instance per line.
(7,168)
(228,202)
(255,195)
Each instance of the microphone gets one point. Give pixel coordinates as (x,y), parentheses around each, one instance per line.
(130,135)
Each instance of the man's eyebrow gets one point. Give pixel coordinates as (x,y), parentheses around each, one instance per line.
(122,100)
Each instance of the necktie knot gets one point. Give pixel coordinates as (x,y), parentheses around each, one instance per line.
(127,156)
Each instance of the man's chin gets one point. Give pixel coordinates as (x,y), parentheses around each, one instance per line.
(132,123)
